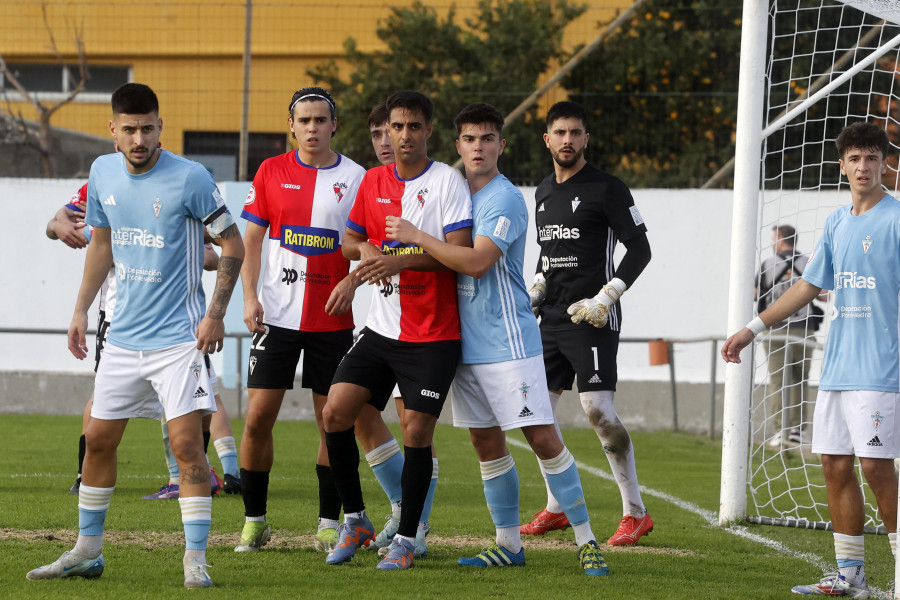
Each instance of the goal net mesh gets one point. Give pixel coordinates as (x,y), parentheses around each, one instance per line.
(812,44)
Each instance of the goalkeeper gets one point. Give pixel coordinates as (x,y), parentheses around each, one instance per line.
(581,213)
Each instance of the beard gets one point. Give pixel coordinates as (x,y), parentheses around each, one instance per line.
(567,163)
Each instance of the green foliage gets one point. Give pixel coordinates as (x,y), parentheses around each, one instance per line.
(662,93)
(496,58)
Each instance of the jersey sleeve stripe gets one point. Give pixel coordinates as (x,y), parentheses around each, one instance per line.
(458,225)
(356,227)
(254,219)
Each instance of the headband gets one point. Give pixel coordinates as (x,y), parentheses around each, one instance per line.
(294,103)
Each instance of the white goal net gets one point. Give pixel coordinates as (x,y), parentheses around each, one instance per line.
(830,63)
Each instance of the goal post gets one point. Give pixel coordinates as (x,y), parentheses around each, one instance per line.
(808,68)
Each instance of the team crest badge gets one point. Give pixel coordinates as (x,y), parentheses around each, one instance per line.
(252,364)
(867,243)
(195,369)
(524,389)
(575,203)
(420,197)
(157,205)
(339,191)
(877,418)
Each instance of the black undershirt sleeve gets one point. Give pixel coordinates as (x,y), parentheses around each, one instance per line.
(636,259)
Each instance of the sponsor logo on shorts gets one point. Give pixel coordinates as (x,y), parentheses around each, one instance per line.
(309,241)
(195,369)
(430,394)
(874,442)
(595,379)
(252,364)
(877,418)
(200,393)
(525,413)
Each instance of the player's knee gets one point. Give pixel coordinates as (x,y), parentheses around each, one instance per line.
(96,443)
(334,419)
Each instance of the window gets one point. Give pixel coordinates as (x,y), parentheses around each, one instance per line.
(62,79)
(213,147)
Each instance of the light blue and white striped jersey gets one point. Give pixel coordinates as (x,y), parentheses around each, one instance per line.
(495,315)
(156,221)
(859,258)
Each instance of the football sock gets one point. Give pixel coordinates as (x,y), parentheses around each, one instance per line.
(599,408)
(429,497)
(562,475)
(327,524)
(387,465)
(850,552)
(226,448)
(93,504)
(417,469)
(196,516)
(552,504)
(501,492)
(329,499)
(82,448)
(171,463)
(255,492)
(892,539)
(343,454)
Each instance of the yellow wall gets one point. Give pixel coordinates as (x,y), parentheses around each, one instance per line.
(190,52)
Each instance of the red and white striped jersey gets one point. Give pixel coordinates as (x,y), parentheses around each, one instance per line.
(416,306)
(108,289)
(305,209)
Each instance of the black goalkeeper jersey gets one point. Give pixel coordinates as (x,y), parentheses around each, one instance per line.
(578,223)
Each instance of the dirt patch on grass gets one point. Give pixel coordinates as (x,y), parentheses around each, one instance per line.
(287,541)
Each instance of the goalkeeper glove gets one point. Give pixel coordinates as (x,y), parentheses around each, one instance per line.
(537,292)
(596,310)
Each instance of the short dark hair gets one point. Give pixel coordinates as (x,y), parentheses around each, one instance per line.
(312,94)
(566,110)
(863,136)
(134,99)
(378,116)
(786,233)
(411,101)
(478,114)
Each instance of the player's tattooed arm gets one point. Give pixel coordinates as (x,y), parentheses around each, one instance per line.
(211,331)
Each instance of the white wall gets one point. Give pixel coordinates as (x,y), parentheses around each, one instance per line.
(682,294)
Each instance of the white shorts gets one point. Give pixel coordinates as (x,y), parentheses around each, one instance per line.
(213,381)
(151,383)
(864,423)
(509,394)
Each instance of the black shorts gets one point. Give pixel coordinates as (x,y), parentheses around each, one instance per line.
(102,330)
(274,356)
(422,370)
(585,351)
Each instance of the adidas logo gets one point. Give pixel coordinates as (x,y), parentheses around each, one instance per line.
(874,442)
(201,393)
(595,379)
(111,201)
(525,413)
(541,209)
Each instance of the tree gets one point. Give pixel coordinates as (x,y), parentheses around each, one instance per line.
(662,94)
(497,58)
(13,128)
